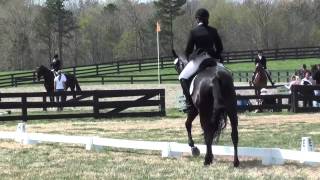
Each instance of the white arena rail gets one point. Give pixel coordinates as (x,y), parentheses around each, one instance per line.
(269,156)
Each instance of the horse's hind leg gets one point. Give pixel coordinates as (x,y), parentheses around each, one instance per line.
(191,116)
(208,137)
(234,135)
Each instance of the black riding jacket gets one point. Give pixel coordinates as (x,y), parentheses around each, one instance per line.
(206,38)
(262,61)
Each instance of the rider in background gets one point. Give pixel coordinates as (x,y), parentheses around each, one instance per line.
(55,64)
(202,38)
(263,61)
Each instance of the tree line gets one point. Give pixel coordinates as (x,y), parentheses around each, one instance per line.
(90,31)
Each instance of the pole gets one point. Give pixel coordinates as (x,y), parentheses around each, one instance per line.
(158,49)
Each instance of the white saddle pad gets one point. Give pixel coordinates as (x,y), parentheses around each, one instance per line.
(192,85)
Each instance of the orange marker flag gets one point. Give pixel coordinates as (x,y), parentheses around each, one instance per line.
(158,27)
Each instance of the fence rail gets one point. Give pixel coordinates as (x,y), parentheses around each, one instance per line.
(302,99)
(138,65)
(240,76)
(151,100)
(99,101)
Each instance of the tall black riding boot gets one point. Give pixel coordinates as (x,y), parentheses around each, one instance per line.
(252,78)
(185,90)
(268,75)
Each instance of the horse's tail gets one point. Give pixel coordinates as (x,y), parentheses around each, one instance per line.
(218,117)
(77,84)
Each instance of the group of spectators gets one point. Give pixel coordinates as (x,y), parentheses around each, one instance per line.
(307,77)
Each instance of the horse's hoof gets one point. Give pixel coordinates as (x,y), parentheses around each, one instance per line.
(195,151)
(236,163)
(208,160)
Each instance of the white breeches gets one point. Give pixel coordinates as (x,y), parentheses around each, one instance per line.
(192,68)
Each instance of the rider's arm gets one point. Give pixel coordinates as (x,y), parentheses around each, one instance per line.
(54,84)
(218,44)
(264,62)
(190,45)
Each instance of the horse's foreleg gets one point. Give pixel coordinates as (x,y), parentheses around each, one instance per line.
(191,116)
(234,135)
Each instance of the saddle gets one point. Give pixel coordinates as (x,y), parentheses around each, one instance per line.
(210,62)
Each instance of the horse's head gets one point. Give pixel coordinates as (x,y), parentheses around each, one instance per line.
(179,62)
(41,70)
(38,72)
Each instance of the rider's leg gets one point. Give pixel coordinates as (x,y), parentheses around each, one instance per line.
(184,76)
(269,77)
(185,89)
(252,78)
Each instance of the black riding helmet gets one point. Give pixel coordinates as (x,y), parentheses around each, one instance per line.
(202,14)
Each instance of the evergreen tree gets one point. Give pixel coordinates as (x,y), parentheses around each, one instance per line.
(63,22)
(166,12)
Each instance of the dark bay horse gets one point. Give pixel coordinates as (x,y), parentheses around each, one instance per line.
(48,77)
(259,80)
(214,99)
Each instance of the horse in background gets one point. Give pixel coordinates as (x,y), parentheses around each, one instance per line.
(48,77)
(214,99)
(259,80)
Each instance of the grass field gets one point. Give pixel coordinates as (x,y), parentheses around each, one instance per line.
(61,161)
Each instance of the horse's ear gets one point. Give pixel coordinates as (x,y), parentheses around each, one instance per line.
(174,53)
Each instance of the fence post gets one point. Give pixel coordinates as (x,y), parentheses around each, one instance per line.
(44,98)
(131,79)
(228,57)
(12,80)
(139,65)
(278,76)
(247,76)
(294,103)
(97,69)
(24,109)
(162,103)
(161,59)
(252,56)
(95,106)
(118,67)
(288,78)
(160,78)
(102,80)
(74,71)
(34,76)
(279,103)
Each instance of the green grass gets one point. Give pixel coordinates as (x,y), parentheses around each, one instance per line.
(292,64)
(65,161)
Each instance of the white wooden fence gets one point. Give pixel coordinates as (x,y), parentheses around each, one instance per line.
(269,156)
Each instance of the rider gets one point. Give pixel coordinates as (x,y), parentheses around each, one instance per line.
(260,59)
(55,64)
(202,38)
